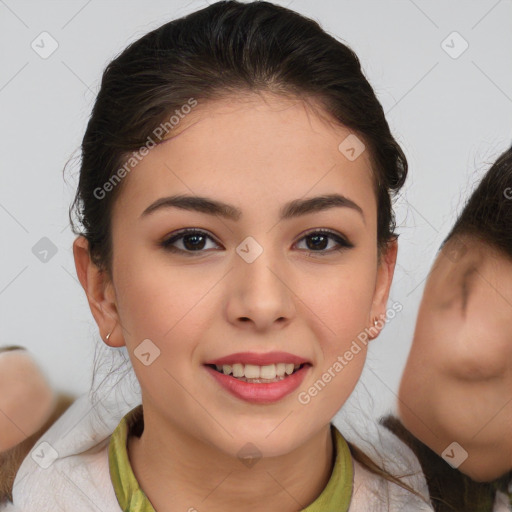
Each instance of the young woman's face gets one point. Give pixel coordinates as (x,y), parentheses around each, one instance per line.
(459,371)
(250,282)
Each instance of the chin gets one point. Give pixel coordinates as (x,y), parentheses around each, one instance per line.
(256,442)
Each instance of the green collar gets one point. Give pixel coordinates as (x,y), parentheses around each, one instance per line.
(335,496)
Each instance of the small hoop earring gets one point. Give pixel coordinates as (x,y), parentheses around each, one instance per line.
(107,337)
(375,322)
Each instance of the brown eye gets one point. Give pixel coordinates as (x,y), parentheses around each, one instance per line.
(191,240)
(318,241)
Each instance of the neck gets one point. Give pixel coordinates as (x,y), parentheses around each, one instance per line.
(178,471)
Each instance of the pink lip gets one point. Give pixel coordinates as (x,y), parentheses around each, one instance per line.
(259,359)
(260,393)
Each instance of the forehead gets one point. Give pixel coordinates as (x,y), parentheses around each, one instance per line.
(247,149)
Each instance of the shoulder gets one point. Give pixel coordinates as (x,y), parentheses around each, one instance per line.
(80,481)
(376,493)
(68,467)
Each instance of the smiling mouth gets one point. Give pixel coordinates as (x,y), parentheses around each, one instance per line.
(259,374)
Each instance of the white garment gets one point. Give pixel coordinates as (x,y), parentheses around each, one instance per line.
(375,494)
(8,507)
(68,467)
(502,503)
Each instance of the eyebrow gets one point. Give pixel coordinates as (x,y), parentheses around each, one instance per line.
(291,209)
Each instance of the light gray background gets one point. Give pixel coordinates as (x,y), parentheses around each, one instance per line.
(453,116)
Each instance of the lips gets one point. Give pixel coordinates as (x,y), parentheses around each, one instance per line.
(259,359)
(260,392)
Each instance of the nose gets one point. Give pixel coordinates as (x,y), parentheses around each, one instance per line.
(261,297)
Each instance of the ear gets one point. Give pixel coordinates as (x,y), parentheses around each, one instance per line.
(100,293)
(385,272)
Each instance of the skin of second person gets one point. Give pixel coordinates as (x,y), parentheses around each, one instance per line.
(457,384)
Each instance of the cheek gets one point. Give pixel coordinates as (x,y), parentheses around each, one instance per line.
(438,328)
(471,347)
(170,308)
(338,306)
(157,300)
(485,347)
(348,295)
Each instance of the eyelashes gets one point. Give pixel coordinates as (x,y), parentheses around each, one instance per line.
(193,242)
(325,234)
(186,234)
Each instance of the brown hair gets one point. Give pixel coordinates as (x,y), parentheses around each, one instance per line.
(487,214)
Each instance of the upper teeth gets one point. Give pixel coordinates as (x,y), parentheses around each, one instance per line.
(251,371)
